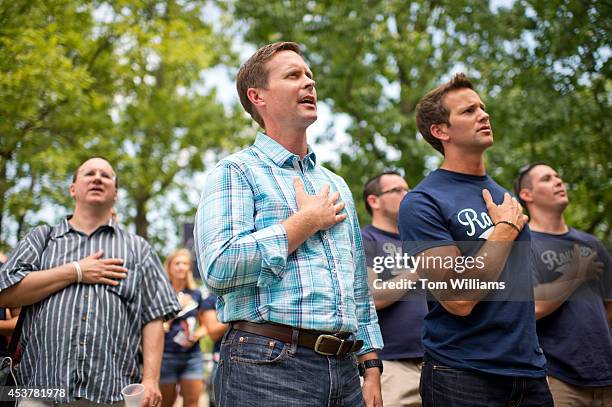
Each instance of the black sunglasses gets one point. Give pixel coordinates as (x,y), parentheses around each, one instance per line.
(394,190)
(524,170)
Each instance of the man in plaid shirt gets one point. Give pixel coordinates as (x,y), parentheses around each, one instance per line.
(278,241)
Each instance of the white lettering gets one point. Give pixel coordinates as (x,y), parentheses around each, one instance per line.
(469,217)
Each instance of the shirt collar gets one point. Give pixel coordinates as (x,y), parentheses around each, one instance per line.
(279,154)
(64,227)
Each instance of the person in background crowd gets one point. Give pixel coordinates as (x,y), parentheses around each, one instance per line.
(400,312)
(573,271)
(182,363)
(8,318)
(95,295)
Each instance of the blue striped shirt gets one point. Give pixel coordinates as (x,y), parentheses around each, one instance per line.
(85,338)
(242,249)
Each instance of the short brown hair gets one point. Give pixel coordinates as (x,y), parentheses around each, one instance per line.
(372,187)
(431,110)
(253,74)
(523,180)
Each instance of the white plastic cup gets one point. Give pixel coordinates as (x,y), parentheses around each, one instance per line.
(133,394)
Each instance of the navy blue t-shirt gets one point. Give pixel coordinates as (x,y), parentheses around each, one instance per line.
(576,338)
(184,325)
(499,336)
(401,323)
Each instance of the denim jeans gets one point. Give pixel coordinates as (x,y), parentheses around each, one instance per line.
(255,370)
(449,387)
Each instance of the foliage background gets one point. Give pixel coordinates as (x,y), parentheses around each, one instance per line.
(130,80)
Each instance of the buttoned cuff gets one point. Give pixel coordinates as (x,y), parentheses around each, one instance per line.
(371,337)
(272,244)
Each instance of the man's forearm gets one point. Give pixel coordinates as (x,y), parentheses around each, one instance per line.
(152,349)
(7,326)
(38,285)
(215,329)
(494,252)
(368,356)
(383,297)
(371,383)
(298,229)
(550,296)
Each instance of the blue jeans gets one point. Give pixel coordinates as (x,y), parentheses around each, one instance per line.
(211,387)
(446,386)
(255,370)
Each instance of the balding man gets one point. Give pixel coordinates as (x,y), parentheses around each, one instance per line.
(93,293)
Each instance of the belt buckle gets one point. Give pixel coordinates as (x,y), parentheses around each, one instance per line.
(332,337)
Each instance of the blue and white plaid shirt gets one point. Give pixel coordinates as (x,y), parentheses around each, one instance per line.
(242,247)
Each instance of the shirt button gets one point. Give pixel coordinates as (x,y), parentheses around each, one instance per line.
(84,318)
(82,343)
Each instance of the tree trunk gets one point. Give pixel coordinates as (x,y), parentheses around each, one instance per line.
(142,225)
(3,195)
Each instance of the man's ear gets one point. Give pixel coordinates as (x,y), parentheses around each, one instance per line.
(372,201)
(526,195)
(255,95)
(72,191)
(439,131)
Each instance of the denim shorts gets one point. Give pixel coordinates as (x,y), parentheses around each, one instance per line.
(181,366)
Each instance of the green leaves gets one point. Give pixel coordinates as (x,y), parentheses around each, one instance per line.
(541,67)
(119,79)
(128,80)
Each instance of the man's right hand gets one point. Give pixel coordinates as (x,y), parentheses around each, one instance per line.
(102,271)
(508,211)
(321,210)
(586,267)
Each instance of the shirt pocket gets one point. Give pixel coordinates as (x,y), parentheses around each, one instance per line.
(126,289)
(270,211)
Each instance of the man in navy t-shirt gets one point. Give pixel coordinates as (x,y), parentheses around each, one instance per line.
(573,271)
(400,310)
(481,347)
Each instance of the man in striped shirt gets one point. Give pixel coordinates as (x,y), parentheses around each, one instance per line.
(92,293)
(278,240)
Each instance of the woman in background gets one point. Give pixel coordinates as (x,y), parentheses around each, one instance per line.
(182,362)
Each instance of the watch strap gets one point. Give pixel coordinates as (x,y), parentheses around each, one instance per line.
(370,363)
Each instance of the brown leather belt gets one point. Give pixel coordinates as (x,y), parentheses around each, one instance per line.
(324,343)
